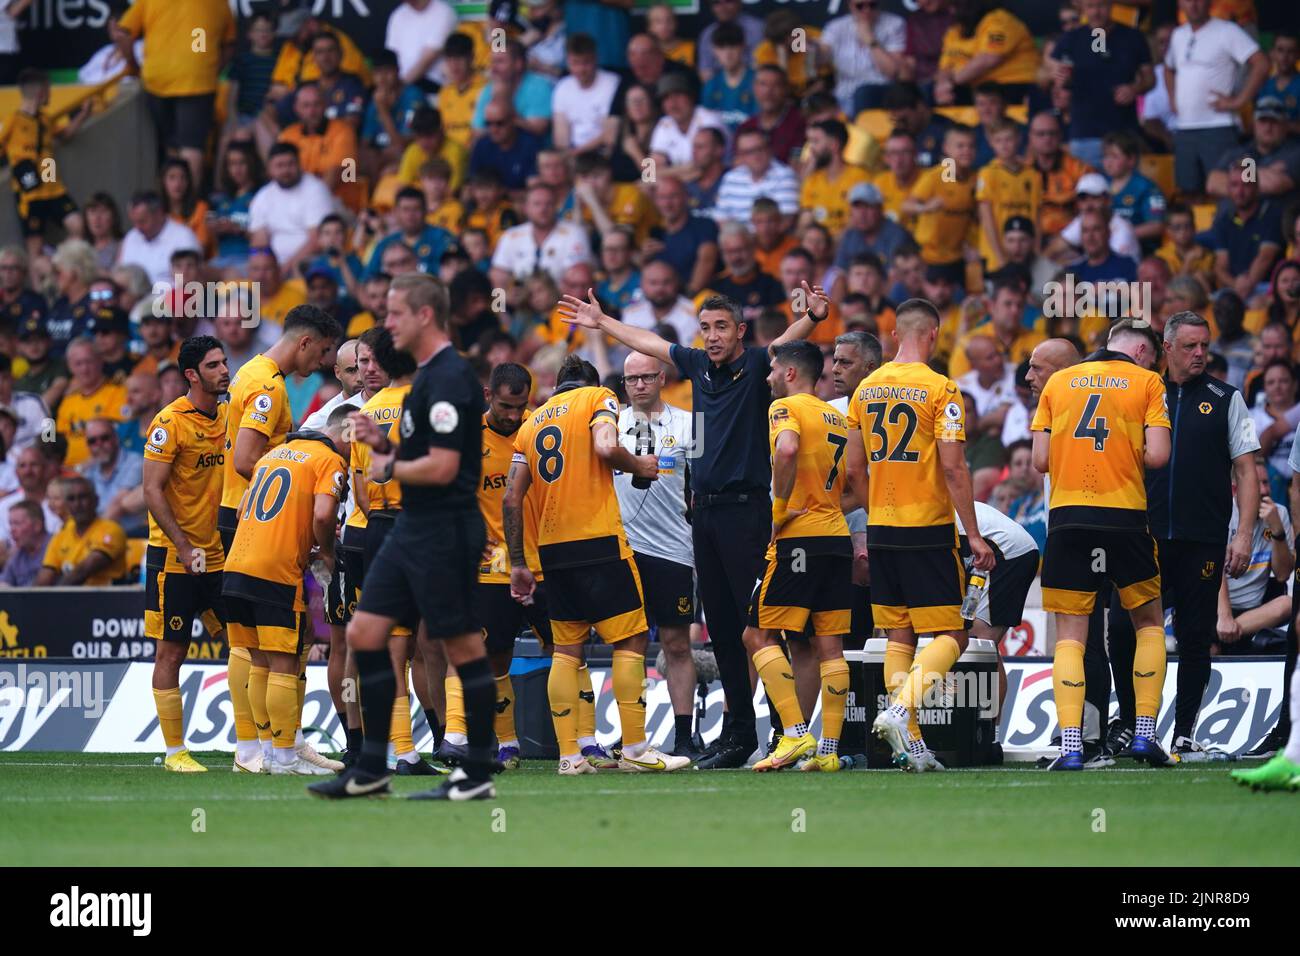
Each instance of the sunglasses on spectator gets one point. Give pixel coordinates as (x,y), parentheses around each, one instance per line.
(260,251)
(96,439)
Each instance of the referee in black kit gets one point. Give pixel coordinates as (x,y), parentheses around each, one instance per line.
(428,564)
(731,481)
(1189,506)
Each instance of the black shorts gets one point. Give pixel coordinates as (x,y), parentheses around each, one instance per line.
(35,216)
(604,596)
(344,588)
(172,599)
(183,122)
(1078,560)
(669,590)
(227,522)
(276,628)
(1009,587)
(428,571)
(820,588)
(920,588)
(503,617)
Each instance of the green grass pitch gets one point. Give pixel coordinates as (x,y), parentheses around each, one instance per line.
(62,809)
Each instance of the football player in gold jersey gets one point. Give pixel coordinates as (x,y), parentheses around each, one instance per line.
(502,615)
(569,449)
(909,421)
(810,560)
(1099,425)
(259,419)
(183,459)
(290,509)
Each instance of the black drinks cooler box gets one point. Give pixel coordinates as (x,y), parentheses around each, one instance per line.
(958,716)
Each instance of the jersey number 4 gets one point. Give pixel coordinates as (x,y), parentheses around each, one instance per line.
(899,413)
(1091,427)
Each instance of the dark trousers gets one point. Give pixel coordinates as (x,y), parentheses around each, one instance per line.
(730,540)
(1190,575)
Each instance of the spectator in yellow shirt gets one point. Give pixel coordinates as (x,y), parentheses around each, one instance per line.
(896,182)
(429,139)
(1180,250)
(444,210)
(325,146)
(985,44)
(808,70)
(277,297)
(824,195)
(87,550)
(1006,187)
(90,395)
(943,201)
(608,204)
(1005,326)
(459,95)
(180,81)
(661,24)
(295,65)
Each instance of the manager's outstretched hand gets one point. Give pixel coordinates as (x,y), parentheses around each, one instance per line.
(576,312)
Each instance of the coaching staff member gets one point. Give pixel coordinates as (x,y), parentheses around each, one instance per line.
(1189,506)
(428,564)
(731,480)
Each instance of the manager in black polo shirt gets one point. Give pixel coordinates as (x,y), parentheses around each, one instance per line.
(731,480)
(1189,505)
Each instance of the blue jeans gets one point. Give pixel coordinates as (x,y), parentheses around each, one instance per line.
(1088,150)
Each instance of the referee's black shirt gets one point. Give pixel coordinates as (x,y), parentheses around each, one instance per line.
(729,429)
(444,409)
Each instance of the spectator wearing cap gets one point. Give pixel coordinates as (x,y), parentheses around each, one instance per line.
(1059,170)
(154,237)
(428,242)
(1275,154)
(743,282)
(1104,79)
(671,139)
(825,193)
(1093,196)
(75,269)
(1005,328)
(90,395)
(1205,59)
(687,242)
(110,331)
(117,477)
(529,92)
(43,374)
(777,114)
(1018,245)
(508,150)
(429,140)
(143,399)
(18,302)
(582,103)
(869,229)
(29,411)
(287,211)
(28,539)
(910,113)
(756,174)
(1247,237)
(866,48)
(276,296)
(540,243)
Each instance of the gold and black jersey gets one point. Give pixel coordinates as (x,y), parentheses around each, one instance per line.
(274,538)
(819,475)
(1097,414)
(904,409)
(258,400)
(27,144)
(193,442)
(498,450)
(385,407)
(578,518)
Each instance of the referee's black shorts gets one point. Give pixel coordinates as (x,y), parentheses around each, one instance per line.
(669,589)
(427,570)
(503,617)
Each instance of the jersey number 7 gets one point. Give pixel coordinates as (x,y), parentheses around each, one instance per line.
(1090,427)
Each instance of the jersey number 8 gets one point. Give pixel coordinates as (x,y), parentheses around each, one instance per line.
(550,462)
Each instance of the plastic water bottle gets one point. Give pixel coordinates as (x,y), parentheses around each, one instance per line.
(645,443)
(977,583)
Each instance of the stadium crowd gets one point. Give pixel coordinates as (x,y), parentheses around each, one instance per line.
(561,147)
